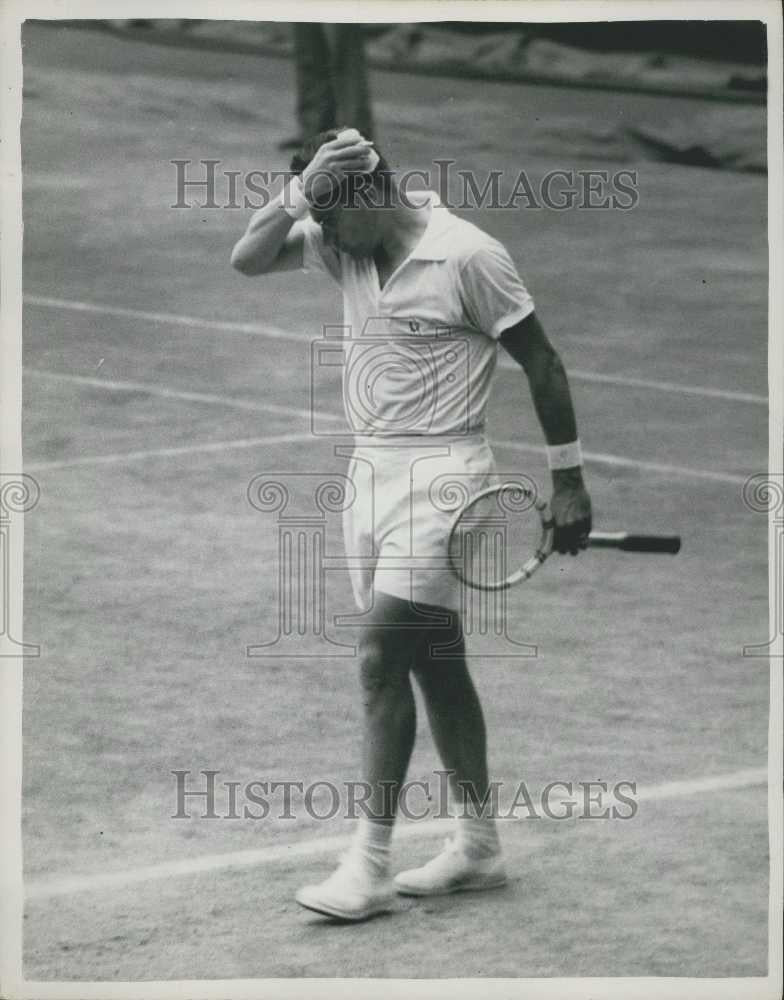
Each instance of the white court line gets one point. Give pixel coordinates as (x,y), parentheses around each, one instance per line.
(171,319)
(277,853)
(676,471)
(180,394)
(629,382)
(119,458)
(275,333)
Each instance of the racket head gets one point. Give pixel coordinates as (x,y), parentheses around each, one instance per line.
(501,535)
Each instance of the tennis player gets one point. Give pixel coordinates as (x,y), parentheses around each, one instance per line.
(427,297)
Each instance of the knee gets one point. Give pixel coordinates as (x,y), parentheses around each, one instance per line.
(380,669)
(442,651)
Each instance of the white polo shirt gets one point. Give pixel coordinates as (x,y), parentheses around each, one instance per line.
(420,353)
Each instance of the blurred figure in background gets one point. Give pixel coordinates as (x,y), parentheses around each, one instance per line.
(332,86)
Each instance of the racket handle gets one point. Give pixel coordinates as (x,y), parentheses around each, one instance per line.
(666,544)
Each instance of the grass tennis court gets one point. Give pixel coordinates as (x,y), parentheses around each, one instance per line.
(160,383)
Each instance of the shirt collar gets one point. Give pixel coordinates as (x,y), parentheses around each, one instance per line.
(433,246)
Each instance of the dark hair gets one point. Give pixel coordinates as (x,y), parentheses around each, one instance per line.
(382,174)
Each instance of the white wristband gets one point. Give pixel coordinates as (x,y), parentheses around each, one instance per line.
(564,456)
(292,199)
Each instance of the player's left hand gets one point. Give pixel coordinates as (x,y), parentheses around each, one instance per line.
(571,509)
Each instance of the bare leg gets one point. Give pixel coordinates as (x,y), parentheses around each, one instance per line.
(361,887)
(454,711)
(316,109)
(349,78)
(386,650)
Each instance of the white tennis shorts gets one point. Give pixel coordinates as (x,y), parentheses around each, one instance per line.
(406,494)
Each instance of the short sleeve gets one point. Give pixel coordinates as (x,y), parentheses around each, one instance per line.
(494,297)
(316,255)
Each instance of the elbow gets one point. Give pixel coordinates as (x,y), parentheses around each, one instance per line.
(250,260)
(541,365)
(242,262)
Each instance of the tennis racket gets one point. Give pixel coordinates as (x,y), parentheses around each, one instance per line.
(504,533)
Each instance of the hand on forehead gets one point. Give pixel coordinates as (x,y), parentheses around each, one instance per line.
(349,137)
(340,167)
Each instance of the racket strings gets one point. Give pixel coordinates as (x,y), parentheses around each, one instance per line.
(494,537)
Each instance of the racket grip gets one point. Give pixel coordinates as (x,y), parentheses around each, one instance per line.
(665,544)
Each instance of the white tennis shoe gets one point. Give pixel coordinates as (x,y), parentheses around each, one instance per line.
(350,893)
(452,871)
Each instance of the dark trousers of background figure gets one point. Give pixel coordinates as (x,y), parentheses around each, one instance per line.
(332,86)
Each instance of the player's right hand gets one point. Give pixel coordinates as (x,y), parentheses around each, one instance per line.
(349,153)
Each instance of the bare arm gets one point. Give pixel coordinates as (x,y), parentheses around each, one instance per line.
(529,345)
(268,244)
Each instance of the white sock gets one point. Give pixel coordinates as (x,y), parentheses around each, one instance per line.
(371,846)
(477,836)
